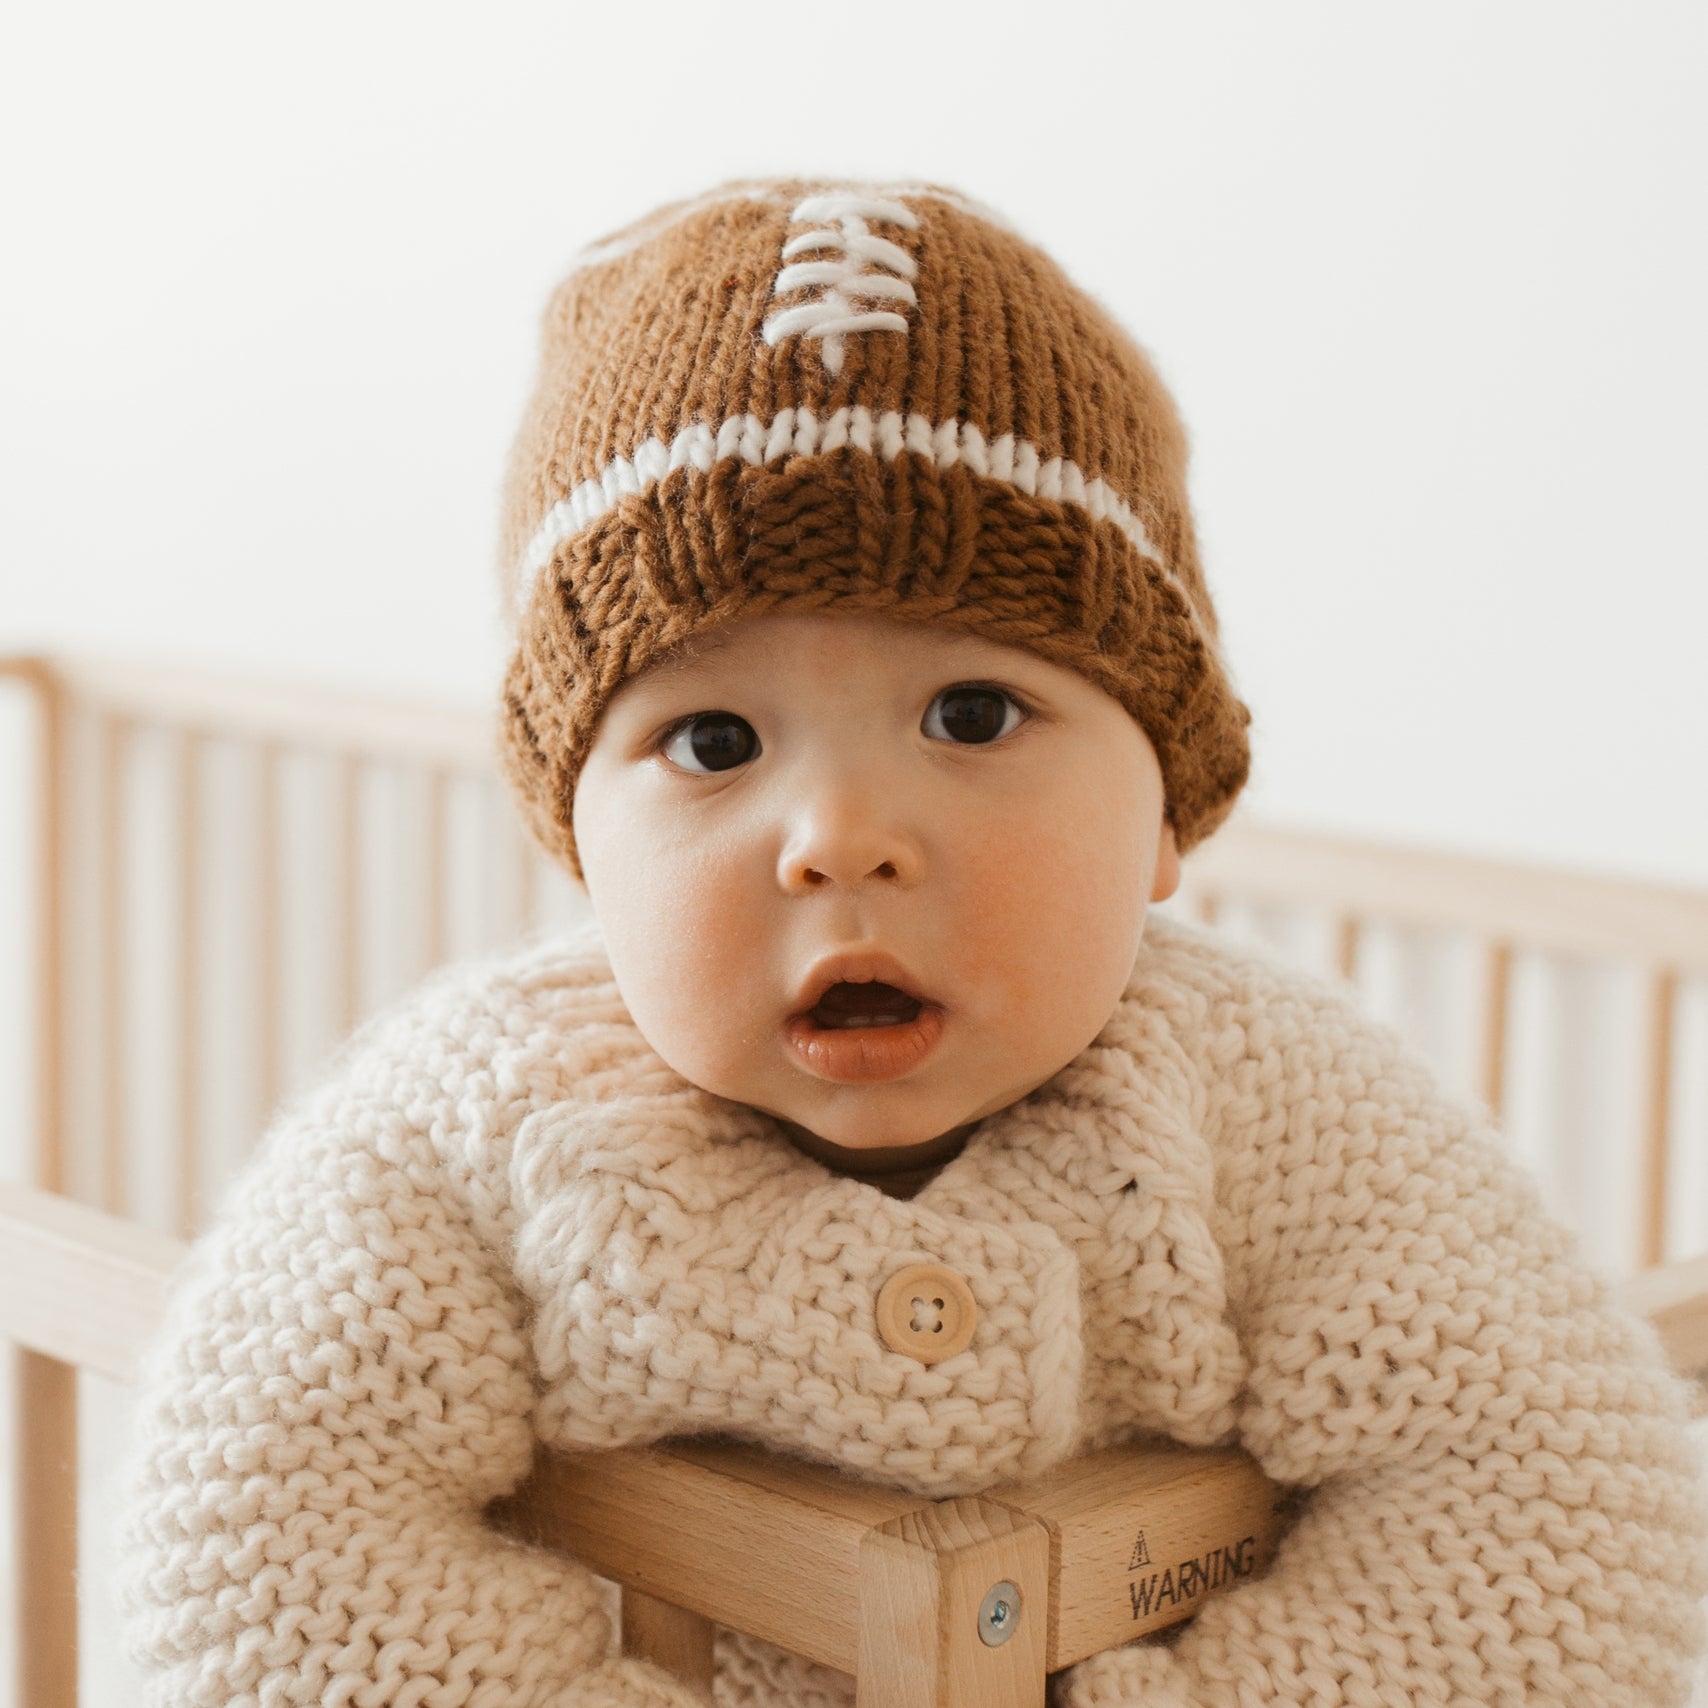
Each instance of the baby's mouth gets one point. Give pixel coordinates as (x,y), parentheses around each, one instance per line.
(847,1005)
(865,1032)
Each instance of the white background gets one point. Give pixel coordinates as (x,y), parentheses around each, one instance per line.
(1427,280)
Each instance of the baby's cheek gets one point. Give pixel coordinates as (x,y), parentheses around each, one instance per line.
(1042,884)
(723,982)
(1056,928)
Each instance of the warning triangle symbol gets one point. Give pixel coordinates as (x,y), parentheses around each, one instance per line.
(1141,1554)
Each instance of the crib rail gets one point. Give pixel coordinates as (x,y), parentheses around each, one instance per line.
(1568,913)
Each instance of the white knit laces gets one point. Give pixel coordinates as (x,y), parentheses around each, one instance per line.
(862,266)
(799,432)
(613,248)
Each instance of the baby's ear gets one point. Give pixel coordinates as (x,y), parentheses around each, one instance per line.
(1167,862)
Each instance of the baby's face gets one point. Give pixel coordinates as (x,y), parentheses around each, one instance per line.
(972,826)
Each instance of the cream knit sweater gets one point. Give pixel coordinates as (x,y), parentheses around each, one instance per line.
(1245,1213)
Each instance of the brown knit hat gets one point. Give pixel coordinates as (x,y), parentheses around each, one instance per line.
(818,395)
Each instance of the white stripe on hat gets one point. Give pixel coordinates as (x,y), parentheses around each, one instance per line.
(798,432)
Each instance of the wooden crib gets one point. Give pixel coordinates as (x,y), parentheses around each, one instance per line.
(219,877)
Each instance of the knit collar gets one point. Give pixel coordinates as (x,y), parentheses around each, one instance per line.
(899,1171)
(653,1214)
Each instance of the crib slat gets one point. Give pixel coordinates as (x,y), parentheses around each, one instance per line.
(527,880)
(1497,1018)
(113,741)
(347,849)
(508,859)
(47,1168)
(1657,1124)
(269,904)
(1347,934)
(186,1101)
(45,1499)
(435,876)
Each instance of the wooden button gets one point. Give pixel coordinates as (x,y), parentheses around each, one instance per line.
(927,1312)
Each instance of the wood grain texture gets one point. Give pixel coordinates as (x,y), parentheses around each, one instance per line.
(1142,1535)
(1136,1537)
(45,1500)
(822,1486)
(774,1561)
(923,1578)
(670,1637)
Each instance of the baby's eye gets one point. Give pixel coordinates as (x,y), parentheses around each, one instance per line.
(969,713)
(710,741)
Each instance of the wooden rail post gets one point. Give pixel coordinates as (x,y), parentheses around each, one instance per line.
(669,1636)
(45,1477)
(954,1601)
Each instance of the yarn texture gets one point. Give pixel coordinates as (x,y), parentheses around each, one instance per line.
(1245,1214)
(793,395)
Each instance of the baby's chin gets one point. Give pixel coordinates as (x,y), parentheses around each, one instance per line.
(853,1117)
(867,1136)
(897,1116)
(894,1117)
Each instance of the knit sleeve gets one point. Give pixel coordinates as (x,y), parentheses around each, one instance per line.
(1500,1500)
(341,1385)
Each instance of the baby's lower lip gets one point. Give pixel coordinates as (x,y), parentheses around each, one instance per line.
(851,1055)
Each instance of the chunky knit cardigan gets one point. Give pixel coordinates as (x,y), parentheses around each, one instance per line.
(1245,1213)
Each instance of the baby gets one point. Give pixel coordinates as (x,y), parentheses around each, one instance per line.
(866,675)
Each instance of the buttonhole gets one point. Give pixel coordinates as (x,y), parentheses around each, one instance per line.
(932,1310)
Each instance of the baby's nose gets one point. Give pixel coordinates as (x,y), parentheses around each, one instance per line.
(812,876)
(851,845)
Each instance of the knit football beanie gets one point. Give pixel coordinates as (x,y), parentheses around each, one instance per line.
(828,396)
